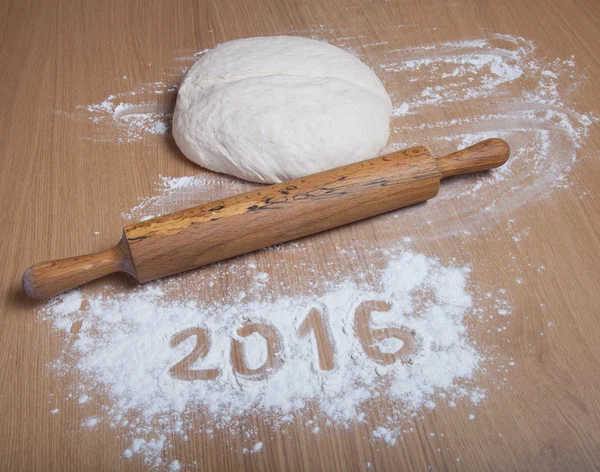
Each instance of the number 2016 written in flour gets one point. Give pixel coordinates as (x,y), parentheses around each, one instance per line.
(315,324)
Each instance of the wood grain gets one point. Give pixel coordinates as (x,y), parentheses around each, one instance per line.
(48,279)
(58,189)
(479,157)
(275,214)
(278,213)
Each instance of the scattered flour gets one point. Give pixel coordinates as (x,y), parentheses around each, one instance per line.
(124,354)
(505,89)
(126,349)
(387,435)
(91,422)
(255,350)
(495,86)
(141,113)
(257,447)
(176,193)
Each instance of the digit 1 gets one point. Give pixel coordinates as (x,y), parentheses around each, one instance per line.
(314,322)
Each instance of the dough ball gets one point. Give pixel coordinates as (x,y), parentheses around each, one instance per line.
(270,109)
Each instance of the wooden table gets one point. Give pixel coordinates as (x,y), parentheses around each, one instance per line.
(57,190)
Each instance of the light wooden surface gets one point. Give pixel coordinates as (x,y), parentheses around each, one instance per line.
(56,189)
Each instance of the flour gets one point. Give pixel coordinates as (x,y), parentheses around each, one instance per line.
(175,193)
(91,422)
(382,433)
(525,100)
(125,349)
(129,116)
(257,447)
(493,86)
(119,344)
(131,120)
(255,350)
(505,88)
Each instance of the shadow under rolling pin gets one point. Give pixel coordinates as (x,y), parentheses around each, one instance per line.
(270,215)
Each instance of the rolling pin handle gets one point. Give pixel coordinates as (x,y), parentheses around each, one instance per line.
(484,155)
(48,279)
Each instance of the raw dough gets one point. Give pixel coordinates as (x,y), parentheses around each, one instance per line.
(270,109)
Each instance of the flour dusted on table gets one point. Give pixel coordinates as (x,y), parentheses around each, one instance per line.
(125,348)
(123,357)
(495,86)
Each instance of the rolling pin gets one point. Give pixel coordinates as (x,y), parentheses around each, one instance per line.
(269,215)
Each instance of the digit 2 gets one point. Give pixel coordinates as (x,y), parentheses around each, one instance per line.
(182,370)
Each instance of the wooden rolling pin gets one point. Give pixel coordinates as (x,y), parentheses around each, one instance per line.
(270,215)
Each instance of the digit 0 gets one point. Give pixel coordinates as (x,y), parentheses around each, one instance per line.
(273,362)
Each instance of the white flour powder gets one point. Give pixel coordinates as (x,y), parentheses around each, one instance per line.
(175,193)
(504,87)
(125,347)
